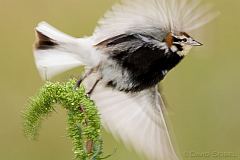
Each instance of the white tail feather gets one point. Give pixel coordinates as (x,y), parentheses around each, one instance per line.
(57,52)
(53,33)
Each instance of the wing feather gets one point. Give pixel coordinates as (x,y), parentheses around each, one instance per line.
(163,15)
(136,118)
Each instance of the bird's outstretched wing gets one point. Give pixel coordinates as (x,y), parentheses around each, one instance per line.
(151,16)
(136,118)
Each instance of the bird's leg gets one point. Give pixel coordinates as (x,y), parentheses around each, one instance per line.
(83,77)
(93,87)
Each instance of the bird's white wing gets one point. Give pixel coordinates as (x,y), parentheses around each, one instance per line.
(136,118)
(151,16)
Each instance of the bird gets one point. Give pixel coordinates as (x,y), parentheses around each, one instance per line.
(135,45)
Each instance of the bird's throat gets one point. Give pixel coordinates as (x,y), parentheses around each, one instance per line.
(185,51)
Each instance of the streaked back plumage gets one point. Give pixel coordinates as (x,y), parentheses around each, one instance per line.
(154,17)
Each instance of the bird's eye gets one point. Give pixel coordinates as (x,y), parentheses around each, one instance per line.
(184,40)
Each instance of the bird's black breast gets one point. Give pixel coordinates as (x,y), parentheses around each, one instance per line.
(143,60)
(147,66)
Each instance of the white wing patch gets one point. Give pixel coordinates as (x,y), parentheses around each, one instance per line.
(146,16)
(137,119)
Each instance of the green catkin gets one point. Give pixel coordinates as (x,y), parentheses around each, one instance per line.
(84,126)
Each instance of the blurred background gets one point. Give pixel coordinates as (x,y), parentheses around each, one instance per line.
(202,93)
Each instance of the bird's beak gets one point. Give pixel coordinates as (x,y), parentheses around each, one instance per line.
(195,43)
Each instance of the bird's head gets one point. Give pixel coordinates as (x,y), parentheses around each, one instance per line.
(180,42)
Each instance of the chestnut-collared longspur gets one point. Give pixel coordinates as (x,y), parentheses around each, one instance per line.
(133,48)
